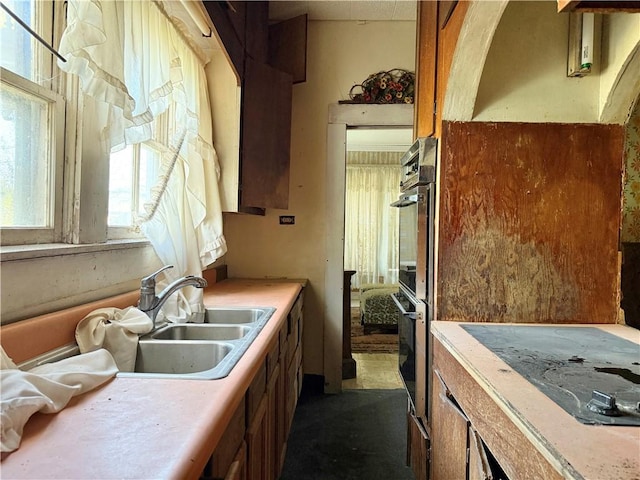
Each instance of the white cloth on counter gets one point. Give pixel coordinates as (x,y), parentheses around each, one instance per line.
(116,330)
(46,388)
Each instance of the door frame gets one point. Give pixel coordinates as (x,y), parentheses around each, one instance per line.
(341,117)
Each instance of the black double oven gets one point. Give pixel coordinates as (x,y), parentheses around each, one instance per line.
(415,271)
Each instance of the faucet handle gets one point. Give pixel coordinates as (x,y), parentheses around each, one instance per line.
(148,283)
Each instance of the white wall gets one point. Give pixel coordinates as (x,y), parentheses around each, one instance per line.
(339,55)
(34,286)
(525,74)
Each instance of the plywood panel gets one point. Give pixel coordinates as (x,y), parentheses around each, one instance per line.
(529,222)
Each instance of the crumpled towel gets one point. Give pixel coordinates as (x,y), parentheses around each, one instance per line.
(46,388)
(115,330)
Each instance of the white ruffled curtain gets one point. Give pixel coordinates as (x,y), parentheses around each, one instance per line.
(371,224)
(133,61)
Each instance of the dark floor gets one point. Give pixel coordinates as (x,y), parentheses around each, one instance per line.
(355,435)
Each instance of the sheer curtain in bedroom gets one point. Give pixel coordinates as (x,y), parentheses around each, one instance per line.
(371,225)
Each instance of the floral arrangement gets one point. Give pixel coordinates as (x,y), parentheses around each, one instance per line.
(394,86)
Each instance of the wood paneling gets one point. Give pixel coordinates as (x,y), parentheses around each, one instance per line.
(529,222)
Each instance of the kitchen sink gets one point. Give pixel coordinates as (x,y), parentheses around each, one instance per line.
(198,331)
(206,351)
(196,351)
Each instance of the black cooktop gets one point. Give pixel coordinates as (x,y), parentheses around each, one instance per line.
(582,369)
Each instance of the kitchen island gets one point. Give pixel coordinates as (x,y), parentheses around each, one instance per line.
(147,428)
(511,419)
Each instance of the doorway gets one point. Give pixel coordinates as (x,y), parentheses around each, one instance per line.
(372,182)
(341,119)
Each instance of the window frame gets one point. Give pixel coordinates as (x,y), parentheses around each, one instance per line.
(49,22)
(56,126)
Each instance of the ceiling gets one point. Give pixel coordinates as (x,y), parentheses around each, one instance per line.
(355,10)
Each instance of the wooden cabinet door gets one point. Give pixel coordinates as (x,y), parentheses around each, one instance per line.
(265,136)
(449,435)
(228,448)
(426,54)
(257,443)
(238,469)
(273,400)
(418,448)
(479,468)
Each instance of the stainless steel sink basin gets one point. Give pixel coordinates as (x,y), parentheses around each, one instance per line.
(235,315)
(178,358)
(198,331)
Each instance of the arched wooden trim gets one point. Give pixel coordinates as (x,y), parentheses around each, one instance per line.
(473,45)
(622,97)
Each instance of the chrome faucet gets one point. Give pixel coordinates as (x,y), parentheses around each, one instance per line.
(151,304)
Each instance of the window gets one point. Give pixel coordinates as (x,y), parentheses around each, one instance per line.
(134,171)
(31,128)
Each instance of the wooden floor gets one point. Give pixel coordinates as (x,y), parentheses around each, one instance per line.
(374,371)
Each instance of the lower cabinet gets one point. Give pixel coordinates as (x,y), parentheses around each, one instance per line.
(257,443)
(457,449)
(254,444)
(418,447)
(230,449)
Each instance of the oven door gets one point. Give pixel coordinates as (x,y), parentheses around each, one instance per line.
(415,240)
(413,349)
(407,206)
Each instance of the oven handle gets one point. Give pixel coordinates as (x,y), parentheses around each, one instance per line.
(406,200)
(409,315)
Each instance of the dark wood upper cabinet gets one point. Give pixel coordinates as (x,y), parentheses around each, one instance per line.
(265,136)
(257,31)
(228,20)
(598,6)
(244,33)
(288,47)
